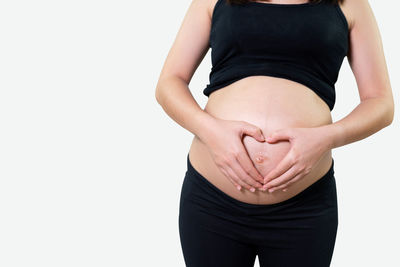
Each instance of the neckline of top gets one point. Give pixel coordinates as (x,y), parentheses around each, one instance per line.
(285,5)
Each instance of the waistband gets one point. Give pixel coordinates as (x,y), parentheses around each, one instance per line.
(324,181)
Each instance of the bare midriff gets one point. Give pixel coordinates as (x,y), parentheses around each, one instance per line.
(270,103)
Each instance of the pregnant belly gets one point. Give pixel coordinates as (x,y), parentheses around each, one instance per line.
(269,103)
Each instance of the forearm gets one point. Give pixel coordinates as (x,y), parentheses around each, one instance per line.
(177,101)
(367,118)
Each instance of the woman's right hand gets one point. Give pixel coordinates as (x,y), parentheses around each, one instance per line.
(224,139)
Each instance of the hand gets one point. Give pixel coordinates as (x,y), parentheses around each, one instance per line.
(224,141)
(307,147)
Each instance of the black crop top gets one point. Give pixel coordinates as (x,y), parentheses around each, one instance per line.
(305,43)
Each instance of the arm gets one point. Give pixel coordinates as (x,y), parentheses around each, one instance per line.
(177,101)
(172,92)
(223,138)
(367,61)
(375,111)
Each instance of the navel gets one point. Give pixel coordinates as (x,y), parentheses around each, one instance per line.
(260,158)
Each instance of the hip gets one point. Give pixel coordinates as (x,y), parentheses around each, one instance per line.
(202,202)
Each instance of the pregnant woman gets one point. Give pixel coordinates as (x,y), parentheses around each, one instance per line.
(260,173)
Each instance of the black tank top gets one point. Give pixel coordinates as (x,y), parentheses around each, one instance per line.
(305,43)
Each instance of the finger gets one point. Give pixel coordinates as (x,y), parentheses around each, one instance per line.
(237,185)
(285,164)
(232,174)
(287,176)
(230,179)
(295,179)
(244,175)
(237,178)
(249,167)
(284,186)
(282,134)
(253,131)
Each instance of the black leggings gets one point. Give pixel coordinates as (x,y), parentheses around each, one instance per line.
(217,230)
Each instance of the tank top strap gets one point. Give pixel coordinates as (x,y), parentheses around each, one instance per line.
(216,6)
(341,15)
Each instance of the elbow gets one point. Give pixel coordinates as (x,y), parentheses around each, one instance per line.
(389,114)
(157,95)
(158,92)
(168,83)
(163,82)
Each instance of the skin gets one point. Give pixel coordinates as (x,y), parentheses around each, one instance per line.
(374,112)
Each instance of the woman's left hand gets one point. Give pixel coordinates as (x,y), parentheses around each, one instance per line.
(307,147)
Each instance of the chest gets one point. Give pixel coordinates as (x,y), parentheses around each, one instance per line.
(310,31)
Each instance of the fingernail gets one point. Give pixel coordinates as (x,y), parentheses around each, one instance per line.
(239,187)
(252,189)
(271,190)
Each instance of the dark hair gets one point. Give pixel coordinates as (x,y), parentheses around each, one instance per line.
(311,1)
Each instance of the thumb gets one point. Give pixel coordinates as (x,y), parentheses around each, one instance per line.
(253,131)
(277,135)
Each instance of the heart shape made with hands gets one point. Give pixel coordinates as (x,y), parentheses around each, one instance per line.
(265,156)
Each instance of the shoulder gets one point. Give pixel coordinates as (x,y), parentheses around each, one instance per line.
(356,10)
(211,6)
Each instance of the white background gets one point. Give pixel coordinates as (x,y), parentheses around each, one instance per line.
(90,165)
